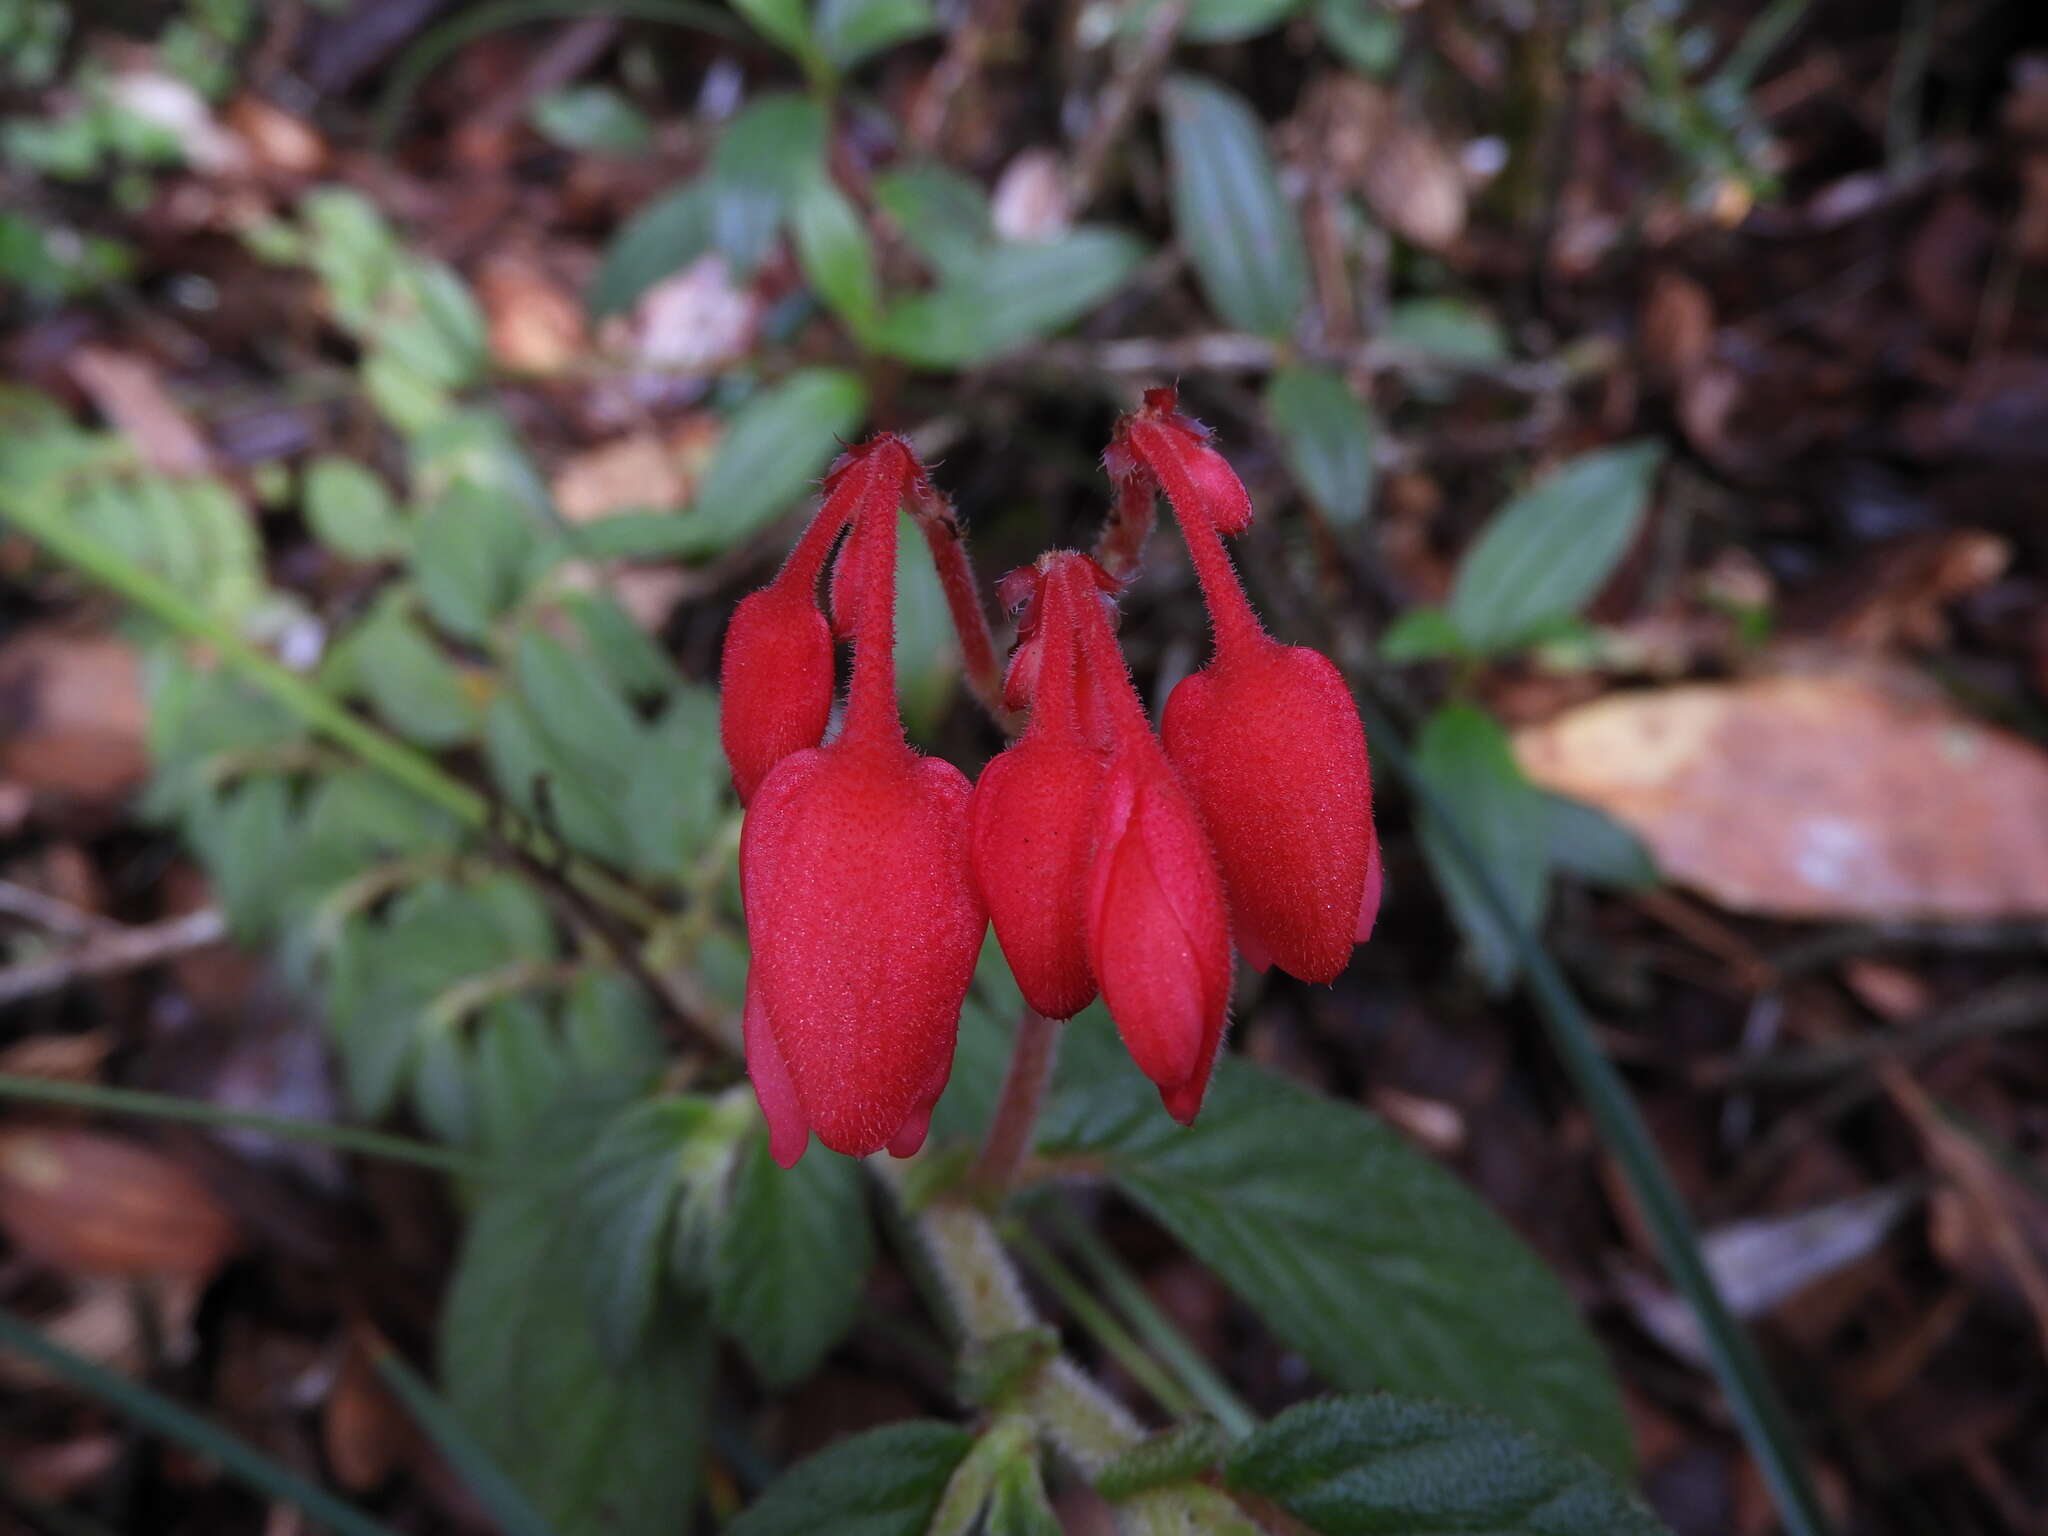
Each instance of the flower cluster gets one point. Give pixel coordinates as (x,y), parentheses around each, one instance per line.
(1111,860)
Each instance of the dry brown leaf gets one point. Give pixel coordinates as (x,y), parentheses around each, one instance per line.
(129,391)
(1830,795)
(693,322)
(1411,179)
(536,325)
(631,473)
(72,716)
(275,141)
(59,1058)
(1677,326)
(1030,199)
(362,1429)
(91,1204)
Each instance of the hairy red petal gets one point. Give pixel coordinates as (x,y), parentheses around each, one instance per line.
(865,928)
(789,1133)
(1158,932)
(1268,741)
(1031,837)
(776,683)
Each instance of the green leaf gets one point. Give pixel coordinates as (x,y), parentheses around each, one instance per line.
(1228,210)
(774,448)
(1382,1269)
(1008,295)
(792,1260)
(657,242)
(1230,21)
(552,784)
(1421,634)
(1450,329)
(627,1187)
(927,650)
(886,1482)
(1327,435)
(594,118)
(782,22)
(507,1507)
(602,1450)
(942,214)
(850,30)
(837,256)
(1464,755)
(771,151)
(676,789)
(383,974)
(1552,547)
(469,556)
(577,705)
(1585,841)
(411,685)
(350,511)
(1363,33)
(632,661)
(1364,1466)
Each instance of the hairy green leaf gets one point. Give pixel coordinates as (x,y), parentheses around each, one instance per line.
(1380,1267)
(886,1482)
(1365,1466)
(1228,210)
(1549,549)
(1327,434)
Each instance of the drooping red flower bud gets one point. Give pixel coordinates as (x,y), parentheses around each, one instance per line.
(853,870)
(1266,737)
(1267,740)
(1158,929)
(775,677)
(1092,856)
(775,682)
(1032,820)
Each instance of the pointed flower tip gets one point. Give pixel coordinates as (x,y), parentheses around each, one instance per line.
(1183,1101)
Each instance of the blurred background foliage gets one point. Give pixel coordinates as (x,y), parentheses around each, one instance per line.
(431,378)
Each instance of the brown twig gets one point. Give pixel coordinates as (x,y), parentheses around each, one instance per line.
(113,953)
(1136,74)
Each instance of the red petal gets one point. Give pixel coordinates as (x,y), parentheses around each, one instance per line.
(789,1133)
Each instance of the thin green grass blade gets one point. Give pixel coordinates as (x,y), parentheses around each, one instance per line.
(164,1106)
(161,1416)
(506,1505)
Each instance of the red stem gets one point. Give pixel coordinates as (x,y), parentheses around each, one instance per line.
(1230,611)
(1099,651)
(871,713)
(1023,1092)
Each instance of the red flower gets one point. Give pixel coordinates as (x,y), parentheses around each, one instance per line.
(1032,820)
(853,870)
(1266,737)
(775,678)
(1091,856)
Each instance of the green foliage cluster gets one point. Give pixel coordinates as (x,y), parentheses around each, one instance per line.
(632,1219)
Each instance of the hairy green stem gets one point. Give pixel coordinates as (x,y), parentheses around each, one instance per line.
(1101,1324)
(1200,1379)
